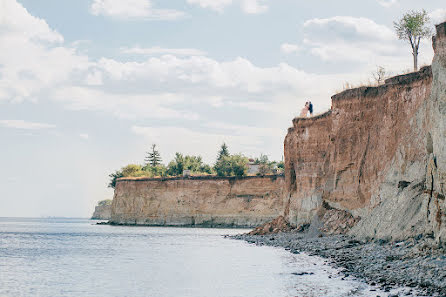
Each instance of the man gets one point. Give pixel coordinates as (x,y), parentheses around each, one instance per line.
(310,108)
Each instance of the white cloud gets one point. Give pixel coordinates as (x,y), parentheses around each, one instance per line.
(25,125)
(238,73)
(288,48)
(217,5)
(253,6)
(349,28)
(438,16)
(165,87)
(179,85)
(94,78)
(84,136)
(34,58)
(248,6)
(139,9)
(387,3)
(360,41)
(129,106)
(14,18)
(156,50)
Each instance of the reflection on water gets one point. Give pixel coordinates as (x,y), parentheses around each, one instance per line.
(76,257)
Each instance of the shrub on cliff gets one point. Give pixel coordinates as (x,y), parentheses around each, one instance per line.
(231,165)
(193,163)
(155,171)
(105,202)
(131,170)
(113,177)
(267,166)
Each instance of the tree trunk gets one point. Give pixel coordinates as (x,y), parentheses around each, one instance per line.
(415,60)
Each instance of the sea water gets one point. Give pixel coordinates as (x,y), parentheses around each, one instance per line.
(77,257)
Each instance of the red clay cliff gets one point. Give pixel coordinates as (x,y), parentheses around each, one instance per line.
(378,157)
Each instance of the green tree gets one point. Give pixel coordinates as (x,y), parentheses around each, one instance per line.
(224,152)
(193,163)
(113,177)
(153,157)
(413,26)
(231,165)
(132,170)
(176,166)
(239,165)
(155,171)
(263,159)
(223,166)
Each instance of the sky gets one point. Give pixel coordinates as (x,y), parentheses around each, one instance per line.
(86,86)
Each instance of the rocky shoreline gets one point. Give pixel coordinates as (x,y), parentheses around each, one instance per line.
(412,263)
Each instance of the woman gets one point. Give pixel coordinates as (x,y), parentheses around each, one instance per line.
(304,112)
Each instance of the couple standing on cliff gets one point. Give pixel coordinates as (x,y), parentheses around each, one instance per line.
(307,108)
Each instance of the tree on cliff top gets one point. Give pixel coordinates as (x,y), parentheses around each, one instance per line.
(131,170)
(185,162)
(224,152)
(413,26)
(153,157)
(231,165)
(113,177)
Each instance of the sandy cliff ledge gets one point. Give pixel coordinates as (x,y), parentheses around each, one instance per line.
(198,201)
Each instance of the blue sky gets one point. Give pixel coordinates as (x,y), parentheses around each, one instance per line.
(86,86)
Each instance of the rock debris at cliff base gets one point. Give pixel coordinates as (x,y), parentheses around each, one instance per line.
(411,263)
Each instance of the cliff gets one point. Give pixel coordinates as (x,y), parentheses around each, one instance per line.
(103,210)
(198,201)
(376,162)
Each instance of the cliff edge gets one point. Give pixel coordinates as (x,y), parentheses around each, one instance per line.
(376,162)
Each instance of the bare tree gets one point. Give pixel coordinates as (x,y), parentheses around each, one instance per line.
(380,74)
(413,26)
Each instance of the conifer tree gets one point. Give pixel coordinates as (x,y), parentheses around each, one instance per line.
(224,152)
(153,157)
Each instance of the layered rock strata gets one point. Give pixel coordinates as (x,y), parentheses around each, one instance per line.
(377,159)
(198,201)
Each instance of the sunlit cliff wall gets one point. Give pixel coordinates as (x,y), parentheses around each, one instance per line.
(198,201)
(379,155)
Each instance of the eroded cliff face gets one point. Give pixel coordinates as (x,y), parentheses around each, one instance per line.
(377,158)
(198,201)
(102,211)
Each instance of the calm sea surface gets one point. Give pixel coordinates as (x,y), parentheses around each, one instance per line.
(76,257)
